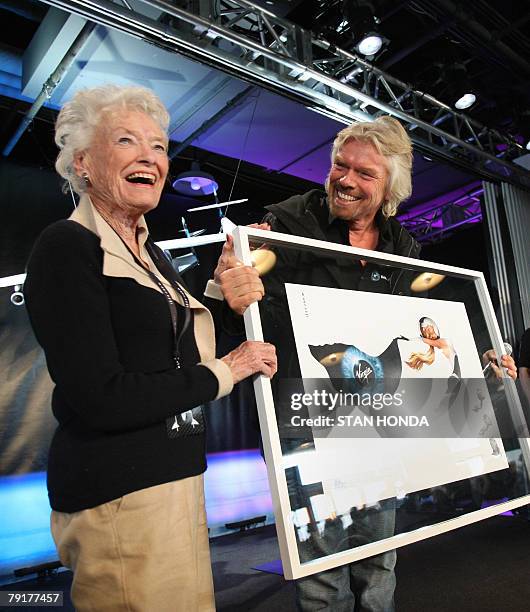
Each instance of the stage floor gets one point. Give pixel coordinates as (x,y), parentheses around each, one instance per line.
(483,567)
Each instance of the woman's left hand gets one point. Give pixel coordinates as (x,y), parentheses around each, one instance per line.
(507,363)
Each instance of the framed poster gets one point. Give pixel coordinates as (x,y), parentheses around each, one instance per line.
(383,426)
(402,464)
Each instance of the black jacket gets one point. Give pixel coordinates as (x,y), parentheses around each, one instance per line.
(307,215)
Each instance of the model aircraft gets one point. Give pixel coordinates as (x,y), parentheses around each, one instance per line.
(191,240)
(217,205)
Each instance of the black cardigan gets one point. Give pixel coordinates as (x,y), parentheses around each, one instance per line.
(108,346)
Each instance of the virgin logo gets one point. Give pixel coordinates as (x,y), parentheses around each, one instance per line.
(362,371)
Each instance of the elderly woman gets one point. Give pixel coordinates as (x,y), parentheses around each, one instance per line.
(132,355)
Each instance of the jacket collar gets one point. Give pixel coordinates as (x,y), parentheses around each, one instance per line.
(308,215)
(117,259)
(393,238)
(87,215)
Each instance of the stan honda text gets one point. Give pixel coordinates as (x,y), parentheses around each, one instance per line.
(350,420)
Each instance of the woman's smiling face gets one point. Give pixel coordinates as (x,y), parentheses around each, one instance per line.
(126,162)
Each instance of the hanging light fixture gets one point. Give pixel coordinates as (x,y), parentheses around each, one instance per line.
(195,182)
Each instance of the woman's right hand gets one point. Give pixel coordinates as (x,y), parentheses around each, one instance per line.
(251,357)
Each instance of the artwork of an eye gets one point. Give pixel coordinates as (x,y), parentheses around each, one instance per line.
(361,366)
(349,364)
(351,369)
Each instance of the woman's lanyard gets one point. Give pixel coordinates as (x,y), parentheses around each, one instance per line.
(177,336)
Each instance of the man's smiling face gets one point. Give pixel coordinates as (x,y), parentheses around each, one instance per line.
(357,181)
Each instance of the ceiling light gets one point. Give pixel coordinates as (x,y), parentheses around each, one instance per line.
(460,91)
(370,44)
(465,101)
(17,297)
(195,182)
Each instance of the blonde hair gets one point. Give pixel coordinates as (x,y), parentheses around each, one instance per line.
(391,140)
(79,117)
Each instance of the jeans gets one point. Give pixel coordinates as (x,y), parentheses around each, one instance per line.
(363,586)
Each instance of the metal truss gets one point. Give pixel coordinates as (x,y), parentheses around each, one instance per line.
(429,225)
(250,42)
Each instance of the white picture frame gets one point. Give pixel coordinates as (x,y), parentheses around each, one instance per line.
(292,567)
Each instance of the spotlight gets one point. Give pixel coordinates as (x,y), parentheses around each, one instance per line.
(370,44)
(17,297)
(465,101)
(458,86)
(361,23)
(195,182)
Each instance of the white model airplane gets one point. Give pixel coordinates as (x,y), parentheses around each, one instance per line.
(12,281)
(192,239)
(191,234)
(227,227)
(217,205)
(188,260)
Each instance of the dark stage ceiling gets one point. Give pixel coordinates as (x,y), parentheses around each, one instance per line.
(284,145)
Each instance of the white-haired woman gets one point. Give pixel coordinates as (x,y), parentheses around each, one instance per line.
(132,355)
